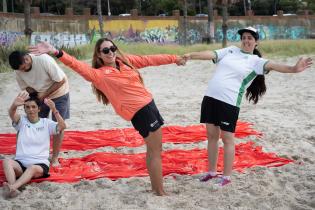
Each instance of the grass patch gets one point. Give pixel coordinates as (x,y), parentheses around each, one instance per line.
(287,48)
(5,51)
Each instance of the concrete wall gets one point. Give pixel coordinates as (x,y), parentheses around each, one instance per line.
(71,30)
(269,28)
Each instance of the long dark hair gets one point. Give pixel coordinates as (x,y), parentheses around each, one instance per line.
(258,87)
(97,63)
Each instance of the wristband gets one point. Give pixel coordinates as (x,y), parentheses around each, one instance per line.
(58,53)
(56,112)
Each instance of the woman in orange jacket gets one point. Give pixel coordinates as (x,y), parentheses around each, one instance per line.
(116,80)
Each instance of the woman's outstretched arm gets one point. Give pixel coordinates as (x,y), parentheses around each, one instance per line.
(203,55)
(141,61)
(82,68)
(301,65)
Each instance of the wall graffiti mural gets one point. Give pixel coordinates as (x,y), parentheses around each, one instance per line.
(158,35)
(266,32)
(8,38)
(150,31)
(157,31)
(152,35)
(60,39)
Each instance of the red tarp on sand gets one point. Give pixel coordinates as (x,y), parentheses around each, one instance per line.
(114,166)
(128,137)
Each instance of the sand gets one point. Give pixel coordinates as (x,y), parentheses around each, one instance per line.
(285,115)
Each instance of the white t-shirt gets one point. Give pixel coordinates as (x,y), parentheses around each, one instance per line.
(234,72)
(33,140)
(45,71)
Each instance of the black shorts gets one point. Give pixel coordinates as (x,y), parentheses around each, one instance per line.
(44,167)
(219,113)
(147,119)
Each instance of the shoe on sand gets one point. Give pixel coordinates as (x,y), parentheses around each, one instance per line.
(222,181)
(207,177)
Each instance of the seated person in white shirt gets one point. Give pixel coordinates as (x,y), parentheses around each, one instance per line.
(33,142)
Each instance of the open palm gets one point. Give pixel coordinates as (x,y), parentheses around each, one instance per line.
(302,64)
(41,48)
(21,98)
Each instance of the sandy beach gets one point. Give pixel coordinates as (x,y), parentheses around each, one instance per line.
(285,116)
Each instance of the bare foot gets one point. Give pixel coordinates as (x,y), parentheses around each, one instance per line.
(54,162)
(13,193)
(6,189)
(160,193)
(9,191)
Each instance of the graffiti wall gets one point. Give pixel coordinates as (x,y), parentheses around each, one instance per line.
(68,32)
(8,38)
(60,39)
(268,30)
(151,31)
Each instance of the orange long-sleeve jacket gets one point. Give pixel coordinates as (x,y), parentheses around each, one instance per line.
(123,87)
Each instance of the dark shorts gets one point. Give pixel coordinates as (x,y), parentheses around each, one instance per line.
(147,119)
(62,105)
(44,167)
(219,113)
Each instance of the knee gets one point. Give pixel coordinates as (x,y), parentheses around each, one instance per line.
(36,170)
(213,137)
(228,141)
(6,162)
(156,150)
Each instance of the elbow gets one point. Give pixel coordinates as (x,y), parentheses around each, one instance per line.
(62,81)
(62,127)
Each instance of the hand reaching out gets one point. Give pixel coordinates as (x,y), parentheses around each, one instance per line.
(302,64)
(186,56)
(181,61)
(41,48)
(21,98)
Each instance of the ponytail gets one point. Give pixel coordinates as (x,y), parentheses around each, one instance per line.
(258,87)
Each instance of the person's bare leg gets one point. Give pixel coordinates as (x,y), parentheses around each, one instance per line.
(11,170)
(229,152)
(154,161)
(213,134)
(57,142)
(33,171)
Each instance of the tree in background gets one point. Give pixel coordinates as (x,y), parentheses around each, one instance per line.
(4,6)
(155,7)
(210,25)
(27,20)
(309,5)
(224,21)
(185,20)
(100,16)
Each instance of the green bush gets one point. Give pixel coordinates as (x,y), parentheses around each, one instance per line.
(80,52)
(5,51)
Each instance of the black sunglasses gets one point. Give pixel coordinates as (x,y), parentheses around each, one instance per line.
(106,50)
